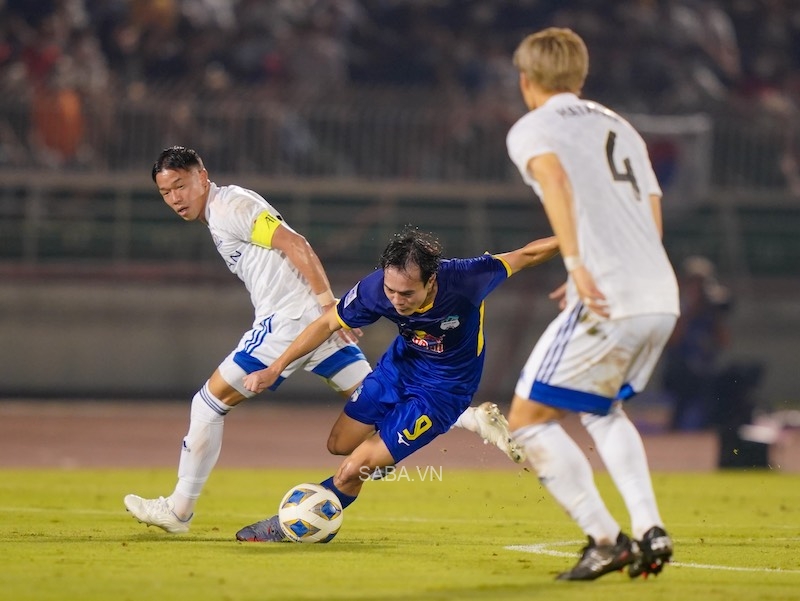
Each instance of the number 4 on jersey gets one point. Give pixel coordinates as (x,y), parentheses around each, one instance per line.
(624,176)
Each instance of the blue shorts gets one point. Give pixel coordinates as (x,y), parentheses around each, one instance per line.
(406,417)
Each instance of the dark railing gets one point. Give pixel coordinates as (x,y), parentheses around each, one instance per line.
(349,172)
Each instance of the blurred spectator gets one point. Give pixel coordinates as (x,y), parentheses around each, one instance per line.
(669,53)
(691,358)
(56,106)
(651,56)
(57,118)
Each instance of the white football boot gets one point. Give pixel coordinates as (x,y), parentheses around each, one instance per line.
(156,512)
(493,428)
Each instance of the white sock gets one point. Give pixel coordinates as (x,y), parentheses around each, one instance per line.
(467,420)
(618,442)
(200,450)
(566,473)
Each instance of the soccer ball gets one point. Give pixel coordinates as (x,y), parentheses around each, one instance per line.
(310,513)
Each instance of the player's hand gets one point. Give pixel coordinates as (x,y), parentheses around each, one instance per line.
(259,381)
(559,295)
(350,335)
(590,295)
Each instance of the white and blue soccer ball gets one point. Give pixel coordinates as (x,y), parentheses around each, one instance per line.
(310,513)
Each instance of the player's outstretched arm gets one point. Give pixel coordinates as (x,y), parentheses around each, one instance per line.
(531,254)
(317,332)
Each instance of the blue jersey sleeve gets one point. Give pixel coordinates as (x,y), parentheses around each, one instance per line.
(478,276)
(361,306)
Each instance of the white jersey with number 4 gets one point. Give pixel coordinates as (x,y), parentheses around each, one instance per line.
(611,177)
(272,281)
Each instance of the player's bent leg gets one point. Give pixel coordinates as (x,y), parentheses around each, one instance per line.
(346,434)
(359,466)
(346,484)
(199,453)
(230,394)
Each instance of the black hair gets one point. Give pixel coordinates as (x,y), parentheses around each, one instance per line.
(177,157)
(413,247)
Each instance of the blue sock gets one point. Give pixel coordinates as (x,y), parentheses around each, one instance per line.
(346,500)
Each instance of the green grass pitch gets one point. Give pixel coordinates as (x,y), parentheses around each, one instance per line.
(450,535)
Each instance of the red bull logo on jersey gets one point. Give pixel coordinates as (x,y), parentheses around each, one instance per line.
(427,341)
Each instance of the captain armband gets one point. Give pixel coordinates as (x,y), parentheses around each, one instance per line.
(264,229)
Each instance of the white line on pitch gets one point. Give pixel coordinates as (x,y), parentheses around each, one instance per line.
(542,549)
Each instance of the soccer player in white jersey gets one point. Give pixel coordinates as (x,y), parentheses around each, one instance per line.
(289,289)
(591,170)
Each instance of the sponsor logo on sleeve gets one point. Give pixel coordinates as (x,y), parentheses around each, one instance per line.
(351,295)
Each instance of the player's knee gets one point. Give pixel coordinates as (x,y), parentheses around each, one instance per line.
(345,439)
(338,446)
(332,448)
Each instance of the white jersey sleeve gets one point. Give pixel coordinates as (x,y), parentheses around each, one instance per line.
(275,285)
(612,179)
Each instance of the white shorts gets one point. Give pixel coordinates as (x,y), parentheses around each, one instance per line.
(583,362)
(341,364)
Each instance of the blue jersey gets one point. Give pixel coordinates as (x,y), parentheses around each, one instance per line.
(442,344)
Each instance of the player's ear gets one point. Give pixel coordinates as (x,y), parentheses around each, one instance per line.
(524,82)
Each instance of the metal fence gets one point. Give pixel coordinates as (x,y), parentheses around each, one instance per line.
(370,135)
(119,221)
(348,172)
(80,222)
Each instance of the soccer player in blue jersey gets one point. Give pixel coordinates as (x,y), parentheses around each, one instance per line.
(427,377)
